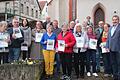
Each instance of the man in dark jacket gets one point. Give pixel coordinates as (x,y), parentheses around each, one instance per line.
(48,21)
(16,37)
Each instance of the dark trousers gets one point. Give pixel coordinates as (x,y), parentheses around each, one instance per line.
(82,63)
(91,60)
(77,63)
(107,63)
(57,59)
(115,62)
(4,57)
(66,61)
(26,54)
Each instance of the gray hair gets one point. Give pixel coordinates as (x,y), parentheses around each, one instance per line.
(48,25)
(3,23)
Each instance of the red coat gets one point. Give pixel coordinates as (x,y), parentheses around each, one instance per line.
(69,40)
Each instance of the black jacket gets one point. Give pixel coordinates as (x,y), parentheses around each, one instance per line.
(15,43)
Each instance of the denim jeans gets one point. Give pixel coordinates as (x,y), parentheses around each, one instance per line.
(107,63)
(98,54)
(115,62)
(91,56)
(57,59)
(14,54)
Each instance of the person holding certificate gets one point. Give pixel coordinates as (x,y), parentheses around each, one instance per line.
(48,43)
(16,37)
(36,48)
(106,54)
(80,50)
(69,41)
(27,39)
(91,53)
(4,41)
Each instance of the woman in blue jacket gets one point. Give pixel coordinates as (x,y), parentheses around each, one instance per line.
(49,39)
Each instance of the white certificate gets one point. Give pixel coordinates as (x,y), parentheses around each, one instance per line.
(61,45)
(50,44)
(3,44)
(104,50)
(103,44)
(79,42)
(17,33)
(38,37)
(24,48)
(92,43)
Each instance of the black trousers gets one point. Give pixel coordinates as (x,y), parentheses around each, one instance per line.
(4,57)
(79,63)
(66,61)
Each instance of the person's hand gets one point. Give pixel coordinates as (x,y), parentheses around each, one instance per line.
(7,40)
(66,45)
(107,50)
(13,36)
(45,42)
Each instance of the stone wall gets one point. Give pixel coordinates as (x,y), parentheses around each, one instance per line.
(21,71)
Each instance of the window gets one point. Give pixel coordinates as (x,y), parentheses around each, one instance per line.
(36,14)
(21,8)
(27,11)
(7,7)
(32,13)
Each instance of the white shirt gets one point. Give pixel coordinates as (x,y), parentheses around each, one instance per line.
(113,29)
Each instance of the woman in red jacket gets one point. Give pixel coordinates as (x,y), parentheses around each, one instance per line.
(66,55)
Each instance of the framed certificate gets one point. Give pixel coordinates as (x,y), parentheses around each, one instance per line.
(79,42)
(92,43)
(38,37)
(50,44)
(61,45)
(17,33)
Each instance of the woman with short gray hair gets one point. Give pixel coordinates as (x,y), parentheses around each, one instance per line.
(4,41)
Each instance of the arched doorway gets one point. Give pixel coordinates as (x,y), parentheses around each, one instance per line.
(99,15)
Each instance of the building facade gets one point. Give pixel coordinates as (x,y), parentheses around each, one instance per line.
(67,10)
(29,9)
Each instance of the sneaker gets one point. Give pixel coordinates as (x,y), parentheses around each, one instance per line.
(68,78)
(88,74)
(95,74)
(63,77)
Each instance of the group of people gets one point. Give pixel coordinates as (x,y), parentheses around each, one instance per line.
(69,46)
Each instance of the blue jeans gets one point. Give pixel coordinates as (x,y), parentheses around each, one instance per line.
(57,59)
(115,62)
(14,54)
(91,56)
(98,54)
(107,63)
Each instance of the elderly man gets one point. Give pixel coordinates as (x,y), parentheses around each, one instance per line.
(98,32)
(48,21)
(16,37)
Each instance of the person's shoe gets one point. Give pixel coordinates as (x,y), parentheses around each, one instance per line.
(47,77)
(88,74)
(63,77)
(68,78)
(77,76)
(95,74)
(82,76)
(106,75)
